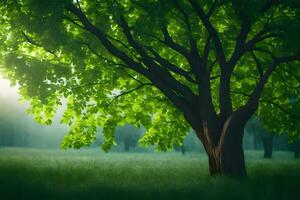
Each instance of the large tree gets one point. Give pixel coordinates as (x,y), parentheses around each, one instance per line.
(165,64)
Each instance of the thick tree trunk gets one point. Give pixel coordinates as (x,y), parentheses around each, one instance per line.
(214,162)
(268,146)
(228,159)
(232,153)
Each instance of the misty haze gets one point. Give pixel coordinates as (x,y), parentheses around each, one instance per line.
(149,99)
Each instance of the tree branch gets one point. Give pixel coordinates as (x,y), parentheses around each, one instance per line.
(280,108)
(264,51)
(87,25)
(170,42)
(258,64)
(284,81)
(252,103)
(270,101)
(73,21)
(239,49)
(206,50)
(153,67)
(127,92)
(211,30)
(102,57)
(31,41)
(165,63)
(170,93)
(212,9)
(268,4)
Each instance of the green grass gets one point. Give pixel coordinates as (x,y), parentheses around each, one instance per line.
(58,174)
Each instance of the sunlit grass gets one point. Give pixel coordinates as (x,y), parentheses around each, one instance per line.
(57,174)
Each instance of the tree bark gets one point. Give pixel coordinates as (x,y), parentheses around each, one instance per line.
(232,153)
(214,162)
(228,159)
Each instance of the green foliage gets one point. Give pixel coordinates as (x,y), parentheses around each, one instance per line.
(45,50)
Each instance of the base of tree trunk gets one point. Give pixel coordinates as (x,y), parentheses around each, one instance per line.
(230,160)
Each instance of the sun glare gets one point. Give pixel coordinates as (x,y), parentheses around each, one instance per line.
(6,90)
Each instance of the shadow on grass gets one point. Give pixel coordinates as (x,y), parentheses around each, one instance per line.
(257,187)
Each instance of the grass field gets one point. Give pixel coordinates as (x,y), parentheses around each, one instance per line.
(91,174)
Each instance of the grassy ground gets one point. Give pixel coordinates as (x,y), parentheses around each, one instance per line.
(57,174)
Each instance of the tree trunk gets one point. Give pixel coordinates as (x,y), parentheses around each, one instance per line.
(296,155)
(228,159)
(232,153)
(126,146)
(214,162)
(268,146)
(182,149)
(297,149)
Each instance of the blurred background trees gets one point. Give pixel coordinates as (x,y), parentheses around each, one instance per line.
(19,129)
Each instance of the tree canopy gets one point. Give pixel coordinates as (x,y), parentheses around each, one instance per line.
(153,63)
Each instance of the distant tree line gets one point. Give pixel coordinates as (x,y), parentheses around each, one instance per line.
(270,141)
(19,129)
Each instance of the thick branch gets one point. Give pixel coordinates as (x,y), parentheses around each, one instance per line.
(211,30)
(240,42)
(169,92)
(104,40)
(165,63)
(171,43)
(193,43)
(153,67)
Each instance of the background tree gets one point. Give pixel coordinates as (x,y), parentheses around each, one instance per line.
(20,130)
(255,127)
(167,65)
(128,135)
(297,149)
(180,148)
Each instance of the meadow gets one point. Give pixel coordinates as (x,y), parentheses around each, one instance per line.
(92,174)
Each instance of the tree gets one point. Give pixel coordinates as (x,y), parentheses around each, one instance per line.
(297,149)
(128,135)
(255,127)
(165,64)
(180,149)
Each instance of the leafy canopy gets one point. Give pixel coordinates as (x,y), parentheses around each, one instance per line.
(47,50)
